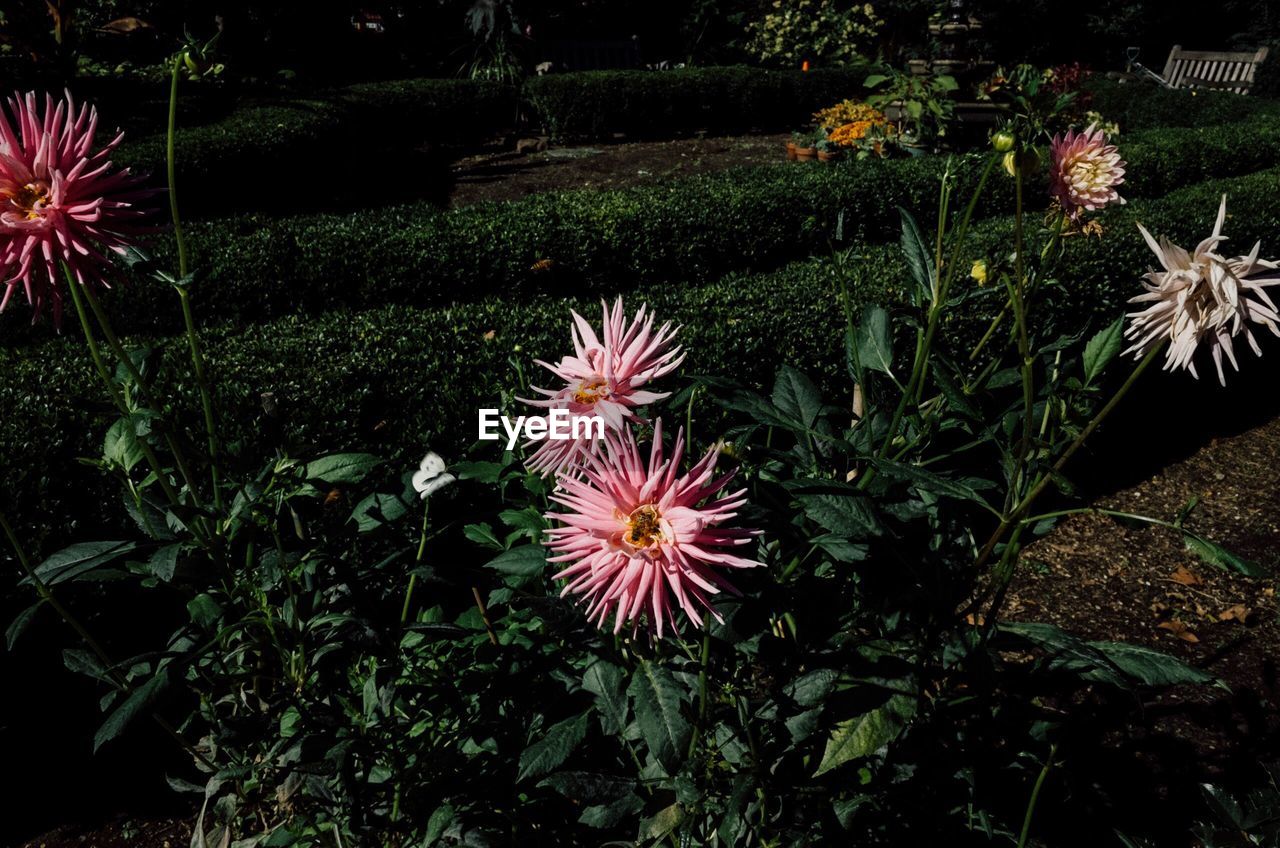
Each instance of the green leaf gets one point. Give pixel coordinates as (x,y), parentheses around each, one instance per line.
(124,714)
(797,397)
(656,700)
(164,562)
(1149,666)
(555,746)
(837,507)
(605,681)
(1220,557)
(377,510)
(927,481)
(875,342)
(77,560)
(663,822)
(604,816)
(204,610)
(863,735)
(120,447)
(342,467)
(1102,348)
(482,472)
(80,661)
(919,261)
(438,824)
(522,564)
(20,623)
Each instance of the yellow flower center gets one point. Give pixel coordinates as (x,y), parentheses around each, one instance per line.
(644,526)
(591,390)
(31,199)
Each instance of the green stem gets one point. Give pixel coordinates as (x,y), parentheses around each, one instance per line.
(78,295)
(1026,503)
(170,155)
(702,693)
(197,358)
(919,367)
(1025,360)
(113,341)
(422,549)
(109,666)
(1035,797)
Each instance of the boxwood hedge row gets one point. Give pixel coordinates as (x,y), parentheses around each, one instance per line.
(396,379)
(278,152)
(692,230)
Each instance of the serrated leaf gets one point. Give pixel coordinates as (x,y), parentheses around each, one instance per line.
(875,341)
(919,261)
(927,481)
(204,610)
(797,397)
(656,697)
(342,467)
(1149,666)
(548,753)
(164,562)
(1102,348)
(1220,557)
(605,681)
(861,736)
(120,447)
(377,510)
(520,565)
(137,701)
(77,560)
(20,624)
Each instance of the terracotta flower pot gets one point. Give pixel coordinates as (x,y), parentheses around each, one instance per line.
(791,151)
(829,155)
(806,154)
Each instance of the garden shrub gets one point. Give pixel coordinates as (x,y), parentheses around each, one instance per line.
(594,104)
(1141,105)
(399,378)
(692,230)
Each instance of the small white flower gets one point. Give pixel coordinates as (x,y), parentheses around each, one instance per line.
(432,476)
(1203,296)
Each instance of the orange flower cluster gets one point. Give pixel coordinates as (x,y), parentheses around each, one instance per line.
(847,112)
(848,135)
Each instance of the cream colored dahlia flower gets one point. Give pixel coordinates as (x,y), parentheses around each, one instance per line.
(1203,297)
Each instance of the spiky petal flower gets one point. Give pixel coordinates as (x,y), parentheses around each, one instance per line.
(1084,171)
(60,202)
(640,539)
(605,377)
(1203,297)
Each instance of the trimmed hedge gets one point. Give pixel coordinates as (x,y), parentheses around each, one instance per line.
(349,147)
(395,379)
(692,230)
(594,104)
(1139,105)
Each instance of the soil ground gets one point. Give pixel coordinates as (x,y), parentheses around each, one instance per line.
(507,175)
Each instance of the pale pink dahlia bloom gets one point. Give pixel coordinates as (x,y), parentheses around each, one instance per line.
(60,202)
(637,536)
(604,377)
(1084,171)
(1203,297)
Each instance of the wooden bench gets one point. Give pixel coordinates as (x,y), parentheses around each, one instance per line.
(1210,69)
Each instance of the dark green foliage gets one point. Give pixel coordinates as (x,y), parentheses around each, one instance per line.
(691,231)
(1141,105)
(594,104)
(397,378)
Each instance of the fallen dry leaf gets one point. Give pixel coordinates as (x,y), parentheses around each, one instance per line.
(1179,629)
(1239,613)
(1185,577)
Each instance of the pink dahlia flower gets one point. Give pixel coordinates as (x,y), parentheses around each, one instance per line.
(59,201)
(635,536)
(1084,171)
(604,378)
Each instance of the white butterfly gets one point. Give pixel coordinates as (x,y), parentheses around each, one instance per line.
(432,476)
